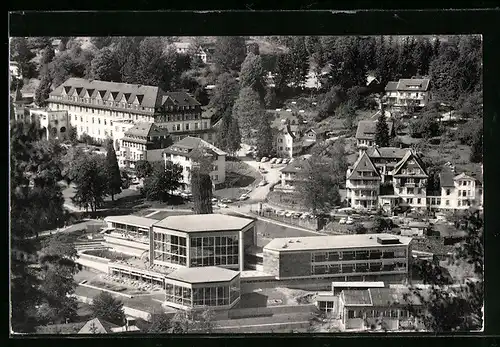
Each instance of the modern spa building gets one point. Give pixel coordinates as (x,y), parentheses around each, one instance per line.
(196,258)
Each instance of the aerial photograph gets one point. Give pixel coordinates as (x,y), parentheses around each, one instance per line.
(246,184)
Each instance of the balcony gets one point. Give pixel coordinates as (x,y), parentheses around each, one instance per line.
(365,197)
(410,184)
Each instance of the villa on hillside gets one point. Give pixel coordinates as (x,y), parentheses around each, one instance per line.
(182,152)
(365,133)
(407,94)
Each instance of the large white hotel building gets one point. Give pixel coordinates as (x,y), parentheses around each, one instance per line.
(94,106)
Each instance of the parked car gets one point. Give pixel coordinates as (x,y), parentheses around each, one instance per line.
(273,160)
(281,213)
(279,161)
(226,201)
(221,205)
(288,214)
(297,215)
(342,221)
(214,200)
(305,215)
(262,183)
(262,170)
(264,159)
(349,220)
(285,161)
(243,197)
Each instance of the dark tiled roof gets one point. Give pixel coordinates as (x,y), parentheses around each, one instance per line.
(387,152)
(367,128)
(145,96)
(145,129)
(391,86)
(406,84)
(409,154)
(363,163)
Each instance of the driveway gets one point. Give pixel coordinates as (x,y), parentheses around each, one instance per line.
(272,176)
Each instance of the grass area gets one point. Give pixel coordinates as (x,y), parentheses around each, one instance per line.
(286,201)
(230,193)
(104,253)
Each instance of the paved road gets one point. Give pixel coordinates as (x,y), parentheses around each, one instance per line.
(272,176)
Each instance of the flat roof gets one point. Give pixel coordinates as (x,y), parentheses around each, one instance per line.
(332,242)
(204,223)
(132,220)
(204,274)
(359,284)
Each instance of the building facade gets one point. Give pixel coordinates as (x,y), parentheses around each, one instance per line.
(291,175)
(94,106)
(369,257)
(183,152)
(143,141)
(407,94)
(458,192)
(363,183)
(15,70)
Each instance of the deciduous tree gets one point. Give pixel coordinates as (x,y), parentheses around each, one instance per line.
(143,168)
(252,73)
(91,181)
(105,66)
(226,93)
(105,306)
(247,110)
(163,180)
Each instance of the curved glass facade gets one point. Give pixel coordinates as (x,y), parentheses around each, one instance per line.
(169,248)
(223,294)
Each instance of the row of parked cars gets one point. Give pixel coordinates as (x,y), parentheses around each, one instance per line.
(289,214)
(276,160)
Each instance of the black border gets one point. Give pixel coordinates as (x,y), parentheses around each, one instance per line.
(364,22)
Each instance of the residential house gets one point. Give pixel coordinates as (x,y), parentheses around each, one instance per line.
(288,141)
(379,308)
(409,180)
(181,153)
(93,106)
(386,159)
(363,183)
(407,94)
(365,134)
(200,52)
(143,141)
(458,192)
(291,175)
(120,127)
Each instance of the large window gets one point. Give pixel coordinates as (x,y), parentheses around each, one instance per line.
(214,250)
(170,249)
(177,294)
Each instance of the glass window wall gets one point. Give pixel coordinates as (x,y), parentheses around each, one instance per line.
(214,251)
(170,248)
(222,295)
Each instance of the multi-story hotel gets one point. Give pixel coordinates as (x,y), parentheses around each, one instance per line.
(370,257)
(181,153)
(93,107)
(407,93)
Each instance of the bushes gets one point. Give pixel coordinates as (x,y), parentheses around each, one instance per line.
(466,132)
(424,127)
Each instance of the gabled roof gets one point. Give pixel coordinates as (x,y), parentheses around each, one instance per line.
(187,144)
(97,326)
(405,159)
(463,176)
(387,152)
(145,129)
(367,128)
(179,99)
(363,163)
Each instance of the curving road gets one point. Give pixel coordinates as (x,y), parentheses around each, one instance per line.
(272,176)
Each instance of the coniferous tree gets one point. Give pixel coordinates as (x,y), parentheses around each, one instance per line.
(382,130)
(201,182)
(476,155)
(252,73)
(246,110)
(43,91)
(234,138)
(265,139)
(230,52)
(112,171)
